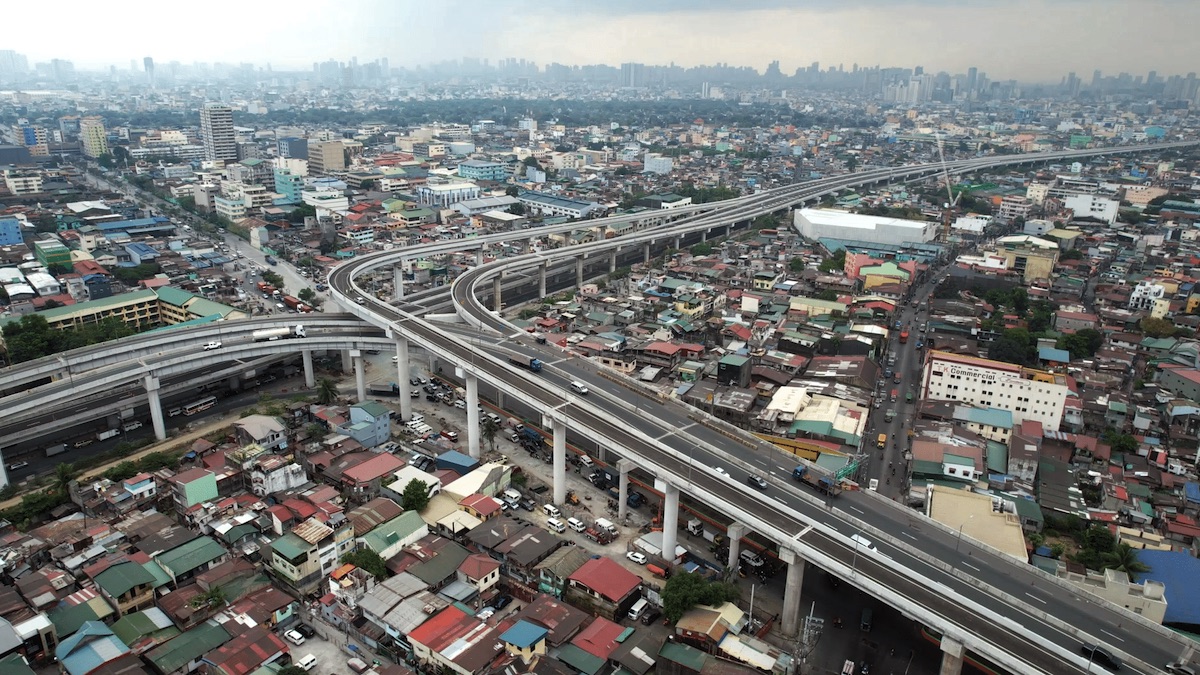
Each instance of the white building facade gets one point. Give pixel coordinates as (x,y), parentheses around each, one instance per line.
(835,224)
(1028,394)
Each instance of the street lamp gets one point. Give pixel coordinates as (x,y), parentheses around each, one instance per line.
(960,531)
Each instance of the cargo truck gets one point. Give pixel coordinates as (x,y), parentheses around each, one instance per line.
(389,389)
(56,449)
(823,484)
(264,287)
(292,302)
(526,362)
(904,336)
(107,434)
(271,334)
(270,260)
(696,528)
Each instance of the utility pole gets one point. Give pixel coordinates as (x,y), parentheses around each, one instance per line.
(809,637)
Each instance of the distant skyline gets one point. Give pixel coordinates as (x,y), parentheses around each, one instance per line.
(1025,40)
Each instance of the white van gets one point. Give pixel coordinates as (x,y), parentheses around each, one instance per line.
(511,497)
(308,662)
(862,542)
(579,387)
(131,426)
(638,609)
(556,525)
(586,462)
(576,524)
(551,510)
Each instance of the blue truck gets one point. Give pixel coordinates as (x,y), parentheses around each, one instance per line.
(526,362)
(823,484)
(270,260)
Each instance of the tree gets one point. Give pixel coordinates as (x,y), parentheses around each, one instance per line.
(1013,346)
(685,590)
(292,669)
(327,391)
(105,160)
(211,599)
(828,295)
(63,475)
(1157,328)
(369,561)
(187,203)
(308,295)
(273,279)
(835,262)
(512,190)
(1071,254)
(532,161)
(517,209)
(1124,558)
(703,248)
(1120,443)
(415,496)
(489,428)
(1082,344)
(301,212)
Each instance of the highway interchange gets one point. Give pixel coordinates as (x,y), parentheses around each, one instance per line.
(1003,609)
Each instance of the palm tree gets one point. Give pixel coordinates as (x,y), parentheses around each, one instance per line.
(327,391)
(489,429)
(63,475)
(1124,558)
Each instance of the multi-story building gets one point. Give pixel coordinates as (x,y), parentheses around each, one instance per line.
(553,205)
(326,157)
(50,252)
(23,182)
(474,169)
(304,557)
(656,163)
(1027,393)
(1144,295)
(1031,257)
(93,137)
(292,148)
(1013,207)
(289,184)
(1093,206)
(445,194)
(216,133)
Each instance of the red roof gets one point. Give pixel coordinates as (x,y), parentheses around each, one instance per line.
(600,638)
(662,347)
(380,465)
(300,508)
(606,577)
(443,628)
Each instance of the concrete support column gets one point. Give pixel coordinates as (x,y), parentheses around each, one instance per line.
(529,245)
(612,260)
(310,377)
(497,302)
(402,376)
(646,250)
(360,374)
(156,413)
(734,534)
(578,271)
(704,235)
(560,461)
(678,242)
(479,257)
(670,522)
(347,364)
(791,590)
(473,416)
(952,656)
(398,281)
(542,279)
(623,467)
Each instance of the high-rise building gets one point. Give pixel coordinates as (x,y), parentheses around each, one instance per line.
(216,133)
(93,136)
(972,78)
(148,64)
(325,157)
(633,74)
(13,66)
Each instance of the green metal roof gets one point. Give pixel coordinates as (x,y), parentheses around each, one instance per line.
(93,305)
(161,578)
(394,530)
(580,660)
(174,296)
(290,546)
(133,627)
(372,408)
(120,578)
(187,647)
(197,552)
(14,664)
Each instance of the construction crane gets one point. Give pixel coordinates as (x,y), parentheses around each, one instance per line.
(949,206)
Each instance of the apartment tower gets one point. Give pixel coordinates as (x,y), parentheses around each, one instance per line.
(216,133)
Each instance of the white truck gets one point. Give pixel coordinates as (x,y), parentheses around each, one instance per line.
(271,334)
(107,434)
(696,527)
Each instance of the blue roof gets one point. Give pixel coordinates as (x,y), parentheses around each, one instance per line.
(524,634)
(90,647)
(1052,354)
(1178,572)
(1191,491)
(992,417)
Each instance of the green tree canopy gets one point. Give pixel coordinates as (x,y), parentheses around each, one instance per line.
(368,560)
(415,496)
(1013,346)
(685,590)
(836,262)
(1082,344)
(327,391)
(1157,328)
(703,248)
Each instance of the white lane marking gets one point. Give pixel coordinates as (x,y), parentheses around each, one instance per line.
(971,566)
(856,510)
(1115,637)
(1036,598)
(909,536)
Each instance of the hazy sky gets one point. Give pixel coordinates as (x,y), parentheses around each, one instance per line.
(1021,39)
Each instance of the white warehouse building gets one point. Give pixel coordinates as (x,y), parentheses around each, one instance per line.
(835,224)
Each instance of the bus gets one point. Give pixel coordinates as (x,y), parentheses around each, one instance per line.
(200,406)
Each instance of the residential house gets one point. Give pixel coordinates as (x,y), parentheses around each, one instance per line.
(606,586)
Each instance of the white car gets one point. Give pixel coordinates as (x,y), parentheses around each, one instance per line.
(211,346)
(294,637)
(721,471)
(862,542)
(635,556)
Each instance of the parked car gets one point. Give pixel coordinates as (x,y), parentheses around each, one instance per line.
(502,601)
(294,637)
(637,557)
(757,481)
(305,630)
(650,616)
(18,465)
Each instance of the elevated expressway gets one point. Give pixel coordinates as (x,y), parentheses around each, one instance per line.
(1023,620)
(1012,614)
